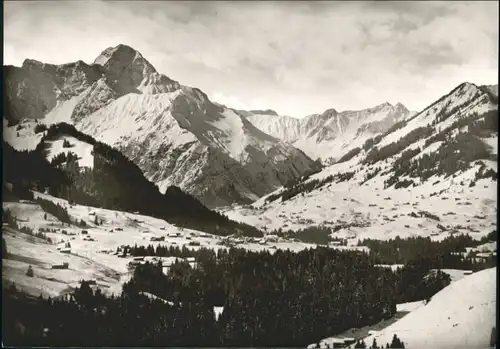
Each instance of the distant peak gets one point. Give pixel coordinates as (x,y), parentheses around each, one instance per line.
(264,112)
(466,85)
(401,106)
(330,111)
(121,48)
(31,62)
(491,89)
(121,54)
(384,105)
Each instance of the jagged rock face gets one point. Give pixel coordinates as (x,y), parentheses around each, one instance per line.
(183,139)
(22,97)
(331,134)
(99,95)
(128,72)
(174,133)
(493,89)
(36,87)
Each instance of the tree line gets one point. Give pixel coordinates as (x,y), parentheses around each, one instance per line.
(456,153)
(269,299)
(444,254)
(114,182)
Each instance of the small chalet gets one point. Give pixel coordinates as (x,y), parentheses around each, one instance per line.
(65,265)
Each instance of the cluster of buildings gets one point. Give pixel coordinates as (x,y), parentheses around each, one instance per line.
(166,262)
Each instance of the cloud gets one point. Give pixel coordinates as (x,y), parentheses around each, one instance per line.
(300,57)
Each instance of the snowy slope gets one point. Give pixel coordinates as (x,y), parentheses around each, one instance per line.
(180,138)
(81,149)
(63,110)
(332,134)
(94,259)
(461,315)
(367,208)
(22,136)
(174,133)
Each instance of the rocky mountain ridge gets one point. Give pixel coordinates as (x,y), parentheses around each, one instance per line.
(174,133)
(331,134)
(432,174)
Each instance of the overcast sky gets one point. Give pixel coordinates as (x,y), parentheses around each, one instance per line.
(297,58)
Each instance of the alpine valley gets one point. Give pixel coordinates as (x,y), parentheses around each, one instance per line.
(174,133)
(429,174)
(153,216)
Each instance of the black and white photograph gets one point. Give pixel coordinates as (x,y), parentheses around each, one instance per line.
(285,174)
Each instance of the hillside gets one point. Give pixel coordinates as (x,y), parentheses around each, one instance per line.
(461,315)
(443,161)
(92,173)
(174,133)
(332,134)
(93,254)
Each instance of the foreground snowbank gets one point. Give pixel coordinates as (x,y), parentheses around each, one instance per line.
(461,315)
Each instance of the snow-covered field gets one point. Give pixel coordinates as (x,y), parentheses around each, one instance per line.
(456,274)
(82,149)
(22,136)
(25,250)
(385,213)
(94,259)
(462,204)
(461,315)
(63,109)
(409,307)
(356,333)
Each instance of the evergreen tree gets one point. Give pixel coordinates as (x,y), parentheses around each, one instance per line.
(30,272)
(4,248)
(396,342)
(66,144)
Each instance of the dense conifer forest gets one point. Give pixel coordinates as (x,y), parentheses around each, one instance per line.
(449,253)
(279,299)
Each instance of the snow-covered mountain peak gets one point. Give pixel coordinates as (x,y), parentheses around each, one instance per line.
(382,106)
(400,106)
(127,71)
(441,160)
(174,133)
(264,112)
(29,63)
(329,113)
(330,134)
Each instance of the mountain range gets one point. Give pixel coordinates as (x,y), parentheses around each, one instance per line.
(329,135)
(223,156)
(429,174)
(112,165)
(174,133)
